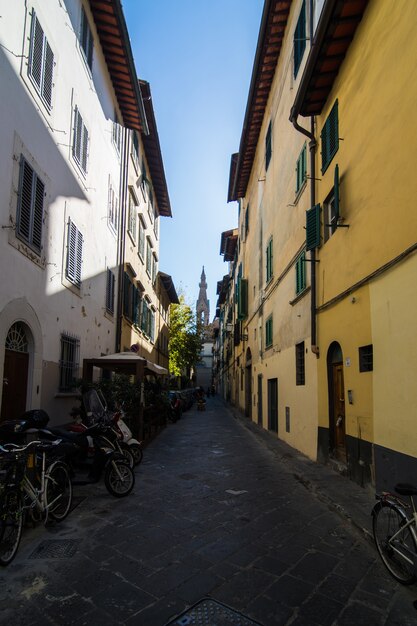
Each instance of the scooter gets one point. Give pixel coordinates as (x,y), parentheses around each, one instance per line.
(127,439)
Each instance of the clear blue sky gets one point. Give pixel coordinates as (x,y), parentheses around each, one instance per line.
(197,56)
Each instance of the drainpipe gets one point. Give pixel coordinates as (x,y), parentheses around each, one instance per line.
(122,237)
(312,148)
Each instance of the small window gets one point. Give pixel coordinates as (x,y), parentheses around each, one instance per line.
(300,364)
(269,261)
(133,211)
(145,317)
(30,207)
(247,220)
(299,39)
(110,282)
(154,267)
(74,254)
(301,170)
(148,257)
(330,138)
(331,208)
(141,241)
(268,146)
(80,141)
(156,224)
(300,274)
(366,358)
(117,135)
(151,211)
(41,62)
(86,39)
(69,362)
(113,208)
(268,332)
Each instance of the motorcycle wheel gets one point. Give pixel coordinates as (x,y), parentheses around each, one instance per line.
(126,450)
(137,453)
(119,478)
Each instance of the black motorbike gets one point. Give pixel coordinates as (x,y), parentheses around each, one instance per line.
(88,452)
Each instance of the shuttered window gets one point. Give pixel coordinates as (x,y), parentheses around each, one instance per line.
(313,228)
(74,254)
(133,210)
(113,208)
(269,261)
(330,138)
(68,362)
(86,39)
(242,302)
(30,206)
(110,283)
(268,146)
(300,377)
(149,257)
(299,39)
(268,332)
(80,141)
(41,62)
(141,246)
(301,169)
(300,273)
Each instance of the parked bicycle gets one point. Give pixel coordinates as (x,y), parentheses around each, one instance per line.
(30,484)
(394,524)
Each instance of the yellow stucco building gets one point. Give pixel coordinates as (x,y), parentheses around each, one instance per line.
(327,235)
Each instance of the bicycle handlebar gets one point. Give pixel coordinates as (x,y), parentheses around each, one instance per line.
(13,447)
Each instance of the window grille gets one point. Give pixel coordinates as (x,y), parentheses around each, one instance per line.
(366,358)
(41,62)
(30,206)
(69,362)
(300,364)
(16,339)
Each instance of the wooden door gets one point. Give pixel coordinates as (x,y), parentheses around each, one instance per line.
(273,404)
(260,407)
(339,443)
(248,391)
(15,382)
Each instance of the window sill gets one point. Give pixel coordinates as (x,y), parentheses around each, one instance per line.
(300,296)
(132,237)
(299,193)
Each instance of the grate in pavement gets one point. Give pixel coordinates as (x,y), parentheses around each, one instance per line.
(55,549)
(208,612)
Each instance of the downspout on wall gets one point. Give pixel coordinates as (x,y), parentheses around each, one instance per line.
(312,149)
(122,238)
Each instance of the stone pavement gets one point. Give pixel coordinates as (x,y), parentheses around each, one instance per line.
(220,510)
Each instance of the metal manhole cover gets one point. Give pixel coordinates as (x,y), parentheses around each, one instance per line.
(209,613)
(55,549)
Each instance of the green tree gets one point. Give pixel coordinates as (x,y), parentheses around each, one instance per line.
(185,339)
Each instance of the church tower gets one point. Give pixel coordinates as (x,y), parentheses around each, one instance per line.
(203,305)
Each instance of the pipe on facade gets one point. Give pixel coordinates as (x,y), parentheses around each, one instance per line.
(122,237)
(312,148)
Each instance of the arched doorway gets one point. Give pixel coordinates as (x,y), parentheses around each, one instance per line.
(16,371)
(248,384)
(336,389)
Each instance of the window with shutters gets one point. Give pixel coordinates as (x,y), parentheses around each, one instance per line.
(30,204)
(129,298)
(113,208)
(86,39)
(110,283)
(330,138)
(151,210)
(149,256)
(135,149)
(154,267)
(331,208)
(41,62)
(152,324)
(299,39)
(269,261)
(269,332)
(141,239)
(69,362)
(80,141)
(117,135)
(145,322)
(156,224)
(242,301)
(74,254)
(301,170)
(132,217)
(300,377)
(247,220)
(268,146)
(313,227)
(300,273)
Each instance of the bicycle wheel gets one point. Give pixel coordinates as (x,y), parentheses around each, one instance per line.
(136,452)
(11,523)
(397,553)
(119,478)
(58,491)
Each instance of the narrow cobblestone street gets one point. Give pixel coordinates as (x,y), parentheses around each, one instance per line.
(219,510)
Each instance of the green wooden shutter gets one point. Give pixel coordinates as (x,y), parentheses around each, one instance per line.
(126,290)
(242,304)
(336,193)
(313,227)
(330,137)
(268,146)
(300,274)
(299,39)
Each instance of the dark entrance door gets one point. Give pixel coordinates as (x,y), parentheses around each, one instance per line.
(336,403)
(15,382)
(260,407)
(273,404)
(248,391)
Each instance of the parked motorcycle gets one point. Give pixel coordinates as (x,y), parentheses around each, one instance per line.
(133,444)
